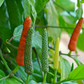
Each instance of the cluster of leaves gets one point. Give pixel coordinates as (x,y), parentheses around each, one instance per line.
(42,12)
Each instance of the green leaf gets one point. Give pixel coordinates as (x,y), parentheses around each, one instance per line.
(26,7)
(65,20)
(37,39)
(32,82)
(12,81)
(2,67)
(36,76)
(33,12)
(13,49)
(2,74)
(17,33)
(45,83)
(69,82)
(79,12)
(12,14)
(1,2)
(78,62)
(52,18)
(82,1)
(68,19)
(80,81)
(41,20)
(65,68)
(77,73)
(21,73)
(63,3)
(39,4)
(78,3)
(37,73)
(62,22)
(80,42)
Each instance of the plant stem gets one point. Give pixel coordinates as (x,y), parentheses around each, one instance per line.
(15,70)
(51,48)
(44,79)
(60,53)
(27,79)
(43,26)
(62,81)
(72,67)
(63,9)
(52,26)
(5,63)
(51,74)
(11,39)
(55,75)
(17,79)
(4,77)
(12,45)
(38,61)
(69,54)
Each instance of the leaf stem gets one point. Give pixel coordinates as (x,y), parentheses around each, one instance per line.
(5,63)
(17,79)
(69,54)
(51,48)
(59,82)
(12,45)
(4,77)
(55,75)
(63,9)
(11,39)
(15,70)
(44,79)
(72,67)
(38,61)
(27,79)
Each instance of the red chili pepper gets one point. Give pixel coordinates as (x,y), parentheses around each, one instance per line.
(74,37)
(20,54)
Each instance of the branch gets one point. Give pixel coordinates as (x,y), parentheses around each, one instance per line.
(63,8)
(5,63)
(43,26)
(11,39)
(60,53)
(4,77)
(67,54)
(38,60)
(62,81)
(18,79)
(44,79)
(15,70)
(8,57)
(27,79)
(51,48)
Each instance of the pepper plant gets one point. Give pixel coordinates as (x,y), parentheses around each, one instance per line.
(51,16)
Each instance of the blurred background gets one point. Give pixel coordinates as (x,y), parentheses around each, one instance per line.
(64,40)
